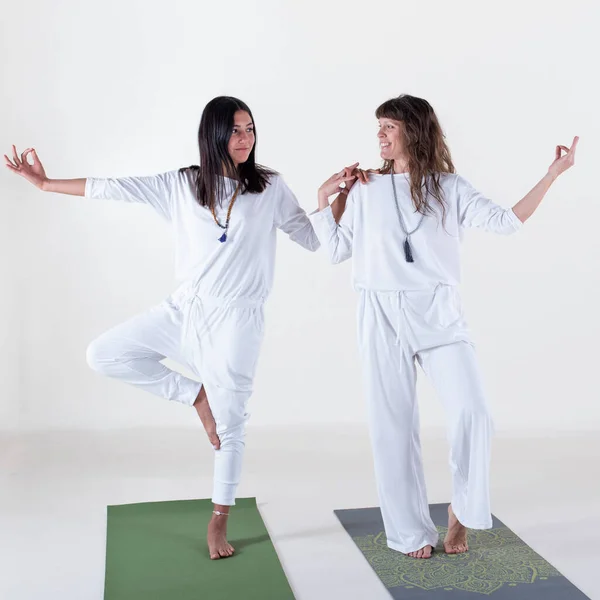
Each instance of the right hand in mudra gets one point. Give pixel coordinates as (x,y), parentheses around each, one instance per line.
(34,173)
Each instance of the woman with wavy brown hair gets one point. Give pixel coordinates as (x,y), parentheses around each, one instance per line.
(403,228)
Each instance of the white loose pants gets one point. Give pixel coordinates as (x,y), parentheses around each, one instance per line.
(219,341)
(395,328)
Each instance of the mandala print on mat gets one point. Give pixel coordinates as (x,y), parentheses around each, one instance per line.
(496,557)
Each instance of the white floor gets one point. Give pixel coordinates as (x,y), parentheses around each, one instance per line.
(54,488)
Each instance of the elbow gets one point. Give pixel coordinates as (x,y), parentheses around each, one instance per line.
(311,246)
(514,227)
(516,219)
(506,224)
(339,252)
(336,258)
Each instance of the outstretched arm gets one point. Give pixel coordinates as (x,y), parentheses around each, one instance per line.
(292,219)
(529,203)
(154,189)
(35,174)
(475,210)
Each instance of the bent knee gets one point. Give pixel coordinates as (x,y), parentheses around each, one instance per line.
(97,356)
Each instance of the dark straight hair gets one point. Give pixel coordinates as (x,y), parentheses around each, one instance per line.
(214,133)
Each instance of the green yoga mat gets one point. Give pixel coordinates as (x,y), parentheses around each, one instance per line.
(499,565)
(157,551)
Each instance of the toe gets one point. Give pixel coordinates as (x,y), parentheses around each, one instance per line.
(223,553)
(214,555)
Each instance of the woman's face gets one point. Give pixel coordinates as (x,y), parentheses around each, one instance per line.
(391,139)
(242,137)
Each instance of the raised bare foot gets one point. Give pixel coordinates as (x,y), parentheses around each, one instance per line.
(424,552)
(218,546)
(456,538)
(208,421)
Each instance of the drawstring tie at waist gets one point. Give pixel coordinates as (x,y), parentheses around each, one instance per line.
(195,324)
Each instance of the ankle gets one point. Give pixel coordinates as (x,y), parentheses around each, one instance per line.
(220,515)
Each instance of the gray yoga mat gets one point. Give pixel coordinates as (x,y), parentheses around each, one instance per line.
(498,565)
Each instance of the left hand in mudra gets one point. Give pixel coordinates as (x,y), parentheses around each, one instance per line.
(562,162)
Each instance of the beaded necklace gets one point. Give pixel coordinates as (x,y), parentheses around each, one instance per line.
(223,238)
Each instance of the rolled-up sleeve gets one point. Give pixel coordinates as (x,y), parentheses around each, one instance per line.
(475,210)
(292,219)
(336,238)
(154,190)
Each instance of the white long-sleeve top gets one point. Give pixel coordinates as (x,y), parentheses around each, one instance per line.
(241,267)
(370,232)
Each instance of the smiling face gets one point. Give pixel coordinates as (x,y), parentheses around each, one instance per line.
(391,139)
(242,137)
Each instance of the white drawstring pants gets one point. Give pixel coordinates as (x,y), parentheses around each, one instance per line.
(218,340)
(395,328)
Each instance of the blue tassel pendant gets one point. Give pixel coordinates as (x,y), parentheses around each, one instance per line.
(408,252)
(223,238)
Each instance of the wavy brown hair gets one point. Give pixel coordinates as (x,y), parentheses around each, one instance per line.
(425,144)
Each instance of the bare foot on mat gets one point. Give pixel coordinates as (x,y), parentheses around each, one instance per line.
(424,552)
(456,538)
(218,546)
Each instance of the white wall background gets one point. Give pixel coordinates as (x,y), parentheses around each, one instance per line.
(117,88)
(10,311)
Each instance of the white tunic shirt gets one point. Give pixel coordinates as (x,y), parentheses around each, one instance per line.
(239,268)
(370,232)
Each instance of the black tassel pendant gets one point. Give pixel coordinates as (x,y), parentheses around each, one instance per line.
(408,251)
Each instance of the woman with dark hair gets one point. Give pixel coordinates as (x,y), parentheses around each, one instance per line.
(224,213)
(403,227)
